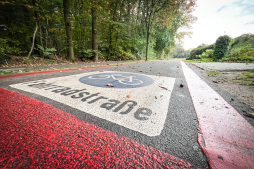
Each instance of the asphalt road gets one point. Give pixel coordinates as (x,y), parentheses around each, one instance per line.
(178,136)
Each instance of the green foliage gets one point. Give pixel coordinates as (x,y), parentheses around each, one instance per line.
(121,27)
(122,55)
(242,54)
(240,49)
(50,61)
(243,41)
(4,47)
(195,53)
(5,72)
(221,47)
(7,47)
(87,54)
(247,78)
(207,54)
(46,52)
(138,47)
(213,73)
(179,52)
(26,60)
(163,39)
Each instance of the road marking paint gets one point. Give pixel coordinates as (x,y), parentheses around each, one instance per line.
(37,135)
(225,136)
(144,111)
(118,80)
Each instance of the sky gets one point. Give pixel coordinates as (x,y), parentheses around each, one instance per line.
(220,17)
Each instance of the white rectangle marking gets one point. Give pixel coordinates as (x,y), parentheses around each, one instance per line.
(142,109)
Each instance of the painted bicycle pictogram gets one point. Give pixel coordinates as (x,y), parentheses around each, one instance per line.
(118,79)
(128,80)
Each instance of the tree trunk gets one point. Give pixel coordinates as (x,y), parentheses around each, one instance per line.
(66,10)
(32,47)
(46,33)
(41,35)
(111,31)
(147,41)
(94,32)
(128,18)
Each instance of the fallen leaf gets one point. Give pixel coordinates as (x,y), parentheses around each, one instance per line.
(110,85)
(128,95)
(164,88)
(220,157)
(249,115)
(215,81)
(216,99)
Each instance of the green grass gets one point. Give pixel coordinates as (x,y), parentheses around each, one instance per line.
(5,72)
(247,78)
(198,60)
(50,61)
(193,61)
(213,73)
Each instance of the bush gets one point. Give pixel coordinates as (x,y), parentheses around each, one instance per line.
(123,55)
(221,47)
(244,54)
(3,47)
(207,54)
(243,40)
(87,54)
(194,54)
(47,52)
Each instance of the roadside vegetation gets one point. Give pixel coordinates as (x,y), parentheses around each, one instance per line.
(213,73)
(62,31)
(226,49)
(246,78)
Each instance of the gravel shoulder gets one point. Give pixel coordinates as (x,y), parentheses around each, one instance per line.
(228,77)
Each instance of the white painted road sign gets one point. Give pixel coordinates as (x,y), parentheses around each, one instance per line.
(138,102)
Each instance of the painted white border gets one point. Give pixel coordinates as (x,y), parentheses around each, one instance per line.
(154,97)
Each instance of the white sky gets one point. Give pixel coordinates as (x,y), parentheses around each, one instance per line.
(219,17)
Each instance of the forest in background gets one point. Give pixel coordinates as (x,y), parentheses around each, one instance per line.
(226,49)
(92,29)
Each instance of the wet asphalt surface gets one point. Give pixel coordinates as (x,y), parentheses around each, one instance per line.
(179,136)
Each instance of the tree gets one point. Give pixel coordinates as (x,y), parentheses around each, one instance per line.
(66,10)
(118,29)
(221,47)
(94,31)
(151,8)
(32,47)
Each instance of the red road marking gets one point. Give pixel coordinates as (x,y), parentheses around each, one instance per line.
(35,134)
(226,137)
(49,71)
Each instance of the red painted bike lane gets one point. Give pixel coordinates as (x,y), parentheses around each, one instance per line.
(35,134)
(226,138)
